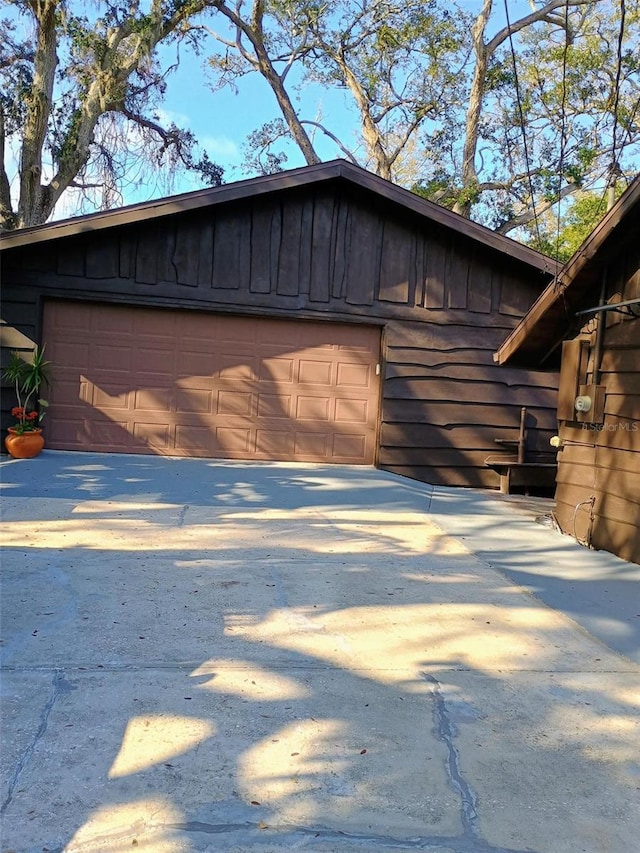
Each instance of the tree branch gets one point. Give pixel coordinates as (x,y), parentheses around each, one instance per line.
(533,213)
(265,65)
(334,138)
(540,15)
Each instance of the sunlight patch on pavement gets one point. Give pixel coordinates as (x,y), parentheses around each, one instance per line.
(248,680)
(286,772)
(130,528)
(120,827)
(94,507)
(607,738)
(413,531)
(153,739)
(396,641)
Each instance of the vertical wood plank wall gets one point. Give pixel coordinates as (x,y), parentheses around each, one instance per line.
(598,492)
(445,302)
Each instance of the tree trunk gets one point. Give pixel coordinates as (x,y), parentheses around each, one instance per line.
(284,102)
(469,175)
(32,202)
(7,217)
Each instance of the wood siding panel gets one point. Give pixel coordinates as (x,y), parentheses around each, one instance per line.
(623,333)
(435,388)
(102,260)
(340,248)
(71,255)
(452,369)
(431,436)
(320,273)
(127,259)
(617,483)
(397,264)
(185,257)
(147,257)
(435,266)
(363,268)
(514,299)
(480,286)
(615,459)
(444,337)
(231,257)
(624,383)
(457,276)
(621,537)
(306,236)
(621,360)
(205,255)
(447,414)
(261,247)
(289,265)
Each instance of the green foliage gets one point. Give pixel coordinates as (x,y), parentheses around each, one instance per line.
(27,375)
(259,153)
(561,240)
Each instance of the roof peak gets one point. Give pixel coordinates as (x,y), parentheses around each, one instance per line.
(301,177)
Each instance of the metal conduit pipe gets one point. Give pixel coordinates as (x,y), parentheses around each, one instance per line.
(602,320)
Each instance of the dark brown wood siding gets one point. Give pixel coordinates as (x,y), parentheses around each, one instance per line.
(598,492)
(446,303)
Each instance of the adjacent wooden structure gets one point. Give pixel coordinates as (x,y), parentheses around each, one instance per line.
(590,315)
(327,245)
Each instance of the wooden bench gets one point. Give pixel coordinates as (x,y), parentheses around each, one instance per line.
(520,465)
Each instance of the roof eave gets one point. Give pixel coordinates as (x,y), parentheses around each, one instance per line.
(303,176)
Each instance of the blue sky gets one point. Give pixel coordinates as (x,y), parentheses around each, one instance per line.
(222,120)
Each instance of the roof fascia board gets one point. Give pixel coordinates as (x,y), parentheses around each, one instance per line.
(167,206)
(304,176)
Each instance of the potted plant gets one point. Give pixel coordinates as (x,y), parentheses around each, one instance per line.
(25,436)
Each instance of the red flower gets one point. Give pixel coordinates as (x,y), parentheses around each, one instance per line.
(32,416)
(17,412)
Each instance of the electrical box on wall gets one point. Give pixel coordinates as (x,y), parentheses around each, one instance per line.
(575,357)
(589,404)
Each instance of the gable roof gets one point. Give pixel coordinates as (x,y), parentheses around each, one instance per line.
(253,187)
(552,317)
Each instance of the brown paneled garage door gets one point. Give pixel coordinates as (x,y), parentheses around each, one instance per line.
(179,383)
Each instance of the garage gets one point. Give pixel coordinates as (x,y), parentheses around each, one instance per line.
(185,383)
(247,321)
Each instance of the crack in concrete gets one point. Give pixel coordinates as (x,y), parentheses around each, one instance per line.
(291,834)
(60,686)
(271,832)
(446,732)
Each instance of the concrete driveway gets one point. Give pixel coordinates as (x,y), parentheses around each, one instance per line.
(205,656)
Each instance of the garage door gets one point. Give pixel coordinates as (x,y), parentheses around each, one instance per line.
(177,383)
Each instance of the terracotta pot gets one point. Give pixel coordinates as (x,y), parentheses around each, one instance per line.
(24,446)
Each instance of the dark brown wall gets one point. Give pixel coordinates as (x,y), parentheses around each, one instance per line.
(598,494)
(446,303)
